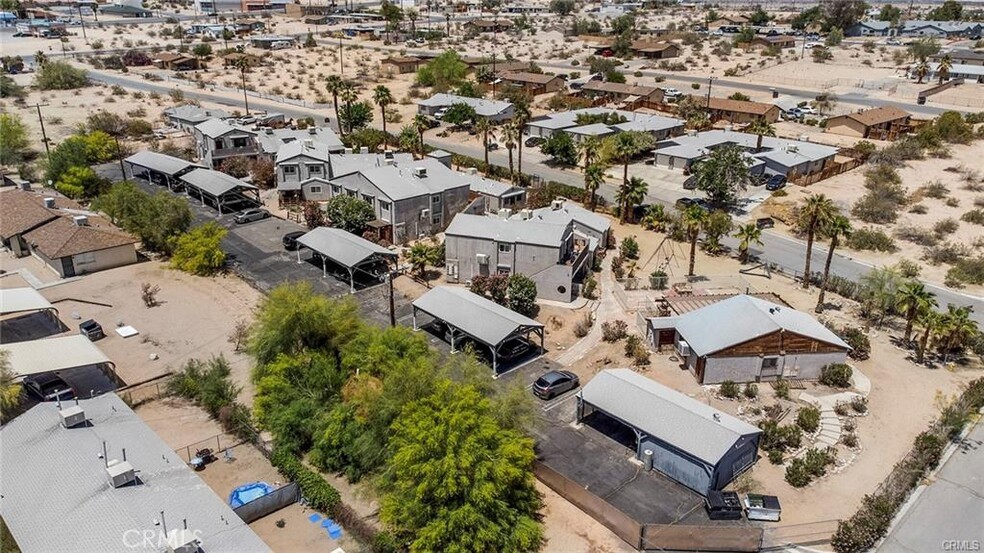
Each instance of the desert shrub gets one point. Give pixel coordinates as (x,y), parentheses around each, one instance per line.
(629,248)
(837,375)
(859,404)
(781,387)
(781,438)
(796,474)
(916,235)
(936,190)
(946,253)
(583,326)
(751,391)
(919,209)
(849,439)
(613,331)
(967,270)
(974,216)
(945,227)
(952,202)
(206,383)
(885,195)
(849,425)
(908,268)
(871,239)
(729,389)
(808,419)
(842,408)
(635,349)
(775,456)
(802,470)
(590,288)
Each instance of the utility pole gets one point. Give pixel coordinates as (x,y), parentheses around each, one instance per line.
(710,83)
(119,154)
(44,135)
(392,275)
(242,69)
(82,21)
(341,64)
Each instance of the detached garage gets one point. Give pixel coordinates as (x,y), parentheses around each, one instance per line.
(688,441)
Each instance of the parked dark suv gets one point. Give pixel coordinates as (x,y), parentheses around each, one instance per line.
(48,387)
(290,240)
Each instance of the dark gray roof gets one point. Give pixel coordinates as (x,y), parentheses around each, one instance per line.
(162,163)
(666,414)
(57,498)
(214,183)
(478,317)
(742,318)
(343,247)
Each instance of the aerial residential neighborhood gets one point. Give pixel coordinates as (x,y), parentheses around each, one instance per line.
(559,276)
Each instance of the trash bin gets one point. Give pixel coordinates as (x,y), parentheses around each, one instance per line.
(647,459)
(921,100)
(775,93)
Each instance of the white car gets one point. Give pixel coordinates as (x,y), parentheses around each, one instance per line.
(815,45)
(808,110)
(671,92)
(281,44)
(439,114)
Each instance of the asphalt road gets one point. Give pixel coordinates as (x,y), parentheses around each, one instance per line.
(949,515)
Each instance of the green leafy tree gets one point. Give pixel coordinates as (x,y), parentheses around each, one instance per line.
(356,115)
(202,51)
(923,48)
(422,254)
(842,13)
(718,224)
(522,116)
(561,149)
(693,219)
(744,36)
(890,13)
(443,72)
(460,113)
(10,89)
(747,235)
(815,214)
(10,388)
(349,213)
(807,17)
(199,251)
(367,137)
(457,480)
(80,150)
(522,295)
(956,329)
(950,10)
(921,70)
(834,37)
(383,97)
(59,75)
(81,182)
(879,288)
(723,175)
(156,219)
(468,89)
(562,7)
(912,299)
(629,195)
(759,17)
(837,228)
(14,141)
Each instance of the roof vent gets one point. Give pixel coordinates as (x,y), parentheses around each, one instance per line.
(420,172)
(268,131)
(348,150)
(312,130)
(557,204)
(80,220)
(388,154)
(72,416)
(308,144)
(391,161)
(364,150)
(120,473)
(716,417)
(183,541)
(49,203)
(24,185)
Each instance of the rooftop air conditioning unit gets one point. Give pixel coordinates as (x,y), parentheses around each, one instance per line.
(80,220)
(348,150)
(72,416)
(683,348)
(268,130)
(557,204)
(183,541)
(792,149)
(364,150)
(312,130)
(308,144)
(388,154)
(472,171)
(505,213)
(49,203)
(483,259)
(420,172)
(425,213)
(120,473)
(526,214)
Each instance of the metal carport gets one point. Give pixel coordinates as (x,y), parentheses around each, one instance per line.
(23,300)
(344,248)
(167,167)
(216,185)
(481,319)
(56,354)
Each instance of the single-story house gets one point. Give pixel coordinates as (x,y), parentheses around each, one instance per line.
(186,116)
(125,10)
(969,73)
(940,29)
(401,64)
(623,92)
(870,27)
(655,50)
(778,156)
(77,244)
(779,41)
(534,83)
(20,213)
(493,110)
(728,21)
(489,25)
(753,340)
(961,56)
(882,123)
(739,111)
(176,62)
(687,440)
(268,41)
(658,126)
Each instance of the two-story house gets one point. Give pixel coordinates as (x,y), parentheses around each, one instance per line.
(303,168)
(550,254)
(218,140)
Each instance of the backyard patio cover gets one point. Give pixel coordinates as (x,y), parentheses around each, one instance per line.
(471,314)
(54,354)
(344,248)
(22,300)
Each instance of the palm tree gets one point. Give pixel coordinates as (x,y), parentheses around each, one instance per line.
(383,97)
(348,95)
(693,219)
(335,86)
(760,127)
(654,218)
(588,150)
(929,322)
(921,70)
(748,234)
(10,390)
(485,131)
(626,146)
(520,119)
(956,328)
(837,228)
(629,195)
(510,136)
(242,64)
(816,213)
(412,14)
(594,177)
(943,69)
(911,300)
(420,124)
(826,102)
(420,255)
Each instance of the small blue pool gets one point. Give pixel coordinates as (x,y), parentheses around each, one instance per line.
(248,492)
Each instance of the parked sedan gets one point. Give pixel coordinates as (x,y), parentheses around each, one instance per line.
(555,383)
(765,222)
(534,141)
(290,240)
(251,215)
(48,387)
(775,183)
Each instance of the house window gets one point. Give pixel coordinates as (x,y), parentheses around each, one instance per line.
(315,190)
(505,248)
(336,190)
(368,198)
(290,169)
(435,200)
(436,220)
(314,169)
(770,362)
(503,270)
(385,206)
(238,142)
(85,258)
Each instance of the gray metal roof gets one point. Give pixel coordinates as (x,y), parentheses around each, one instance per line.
(273,140)
(20,300)
(398,182)
(193,113)
(666,414)
(489,187)
(343,247)
(508,230)
(478,317)
(162,163)
(784,151)
(314,150)
(742,318)
(570,211)
(594,129)
(57,497)
(214,128)
(53,354)
(346,164)
(214,183)
(482,107)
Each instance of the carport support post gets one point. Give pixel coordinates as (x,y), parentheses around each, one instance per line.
(298,255)
(324,267)
(351,280)
(495,361)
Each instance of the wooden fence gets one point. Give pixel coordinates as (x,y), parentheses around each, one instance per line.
(701,538)
(827,172)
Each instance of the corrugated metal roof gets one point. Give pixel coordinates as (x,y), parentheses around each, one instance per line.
(53,354)
(214,183)
(19,300)
(666,414)
(162,163)
(482,107)
(481,318)
(57,498)
(343,247)
(214,128)
(511,231)
(742,318)
(570,211)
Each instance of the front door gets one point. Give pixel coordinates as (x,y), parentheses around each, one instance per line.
(770,368)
